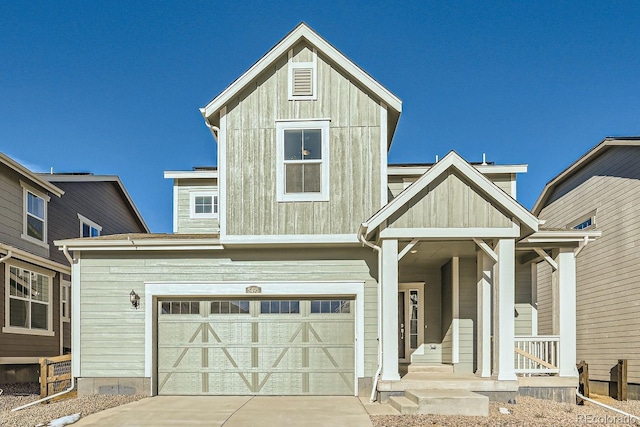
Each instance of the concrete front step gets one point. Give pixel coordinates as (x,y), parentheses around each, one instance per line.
(441,402)
(430,368)
(404,405)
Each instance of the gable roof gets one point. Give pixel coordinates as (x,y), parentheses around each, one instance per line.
(452,160)
(303,31)
(30,175)
(584,160)
(99,178)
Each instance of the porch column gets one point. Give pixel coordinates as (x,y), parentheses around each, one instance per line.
(390,310)
(485,278)
(504,327)
(566,280)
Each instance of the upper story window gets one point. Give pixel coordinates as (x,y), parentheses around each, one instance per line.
(88,228)
(28,302)
(203,204)
(303,160)
(35,215)
(585,222)
(303,80)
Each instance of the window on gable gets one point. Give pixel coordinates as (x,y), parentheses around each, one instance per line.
(303,160)
(585,222)
(28,301)
(203,204)
(35,215)
(88,228)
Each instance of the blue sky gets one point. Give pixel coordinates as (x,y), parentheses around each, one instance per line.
(114,87)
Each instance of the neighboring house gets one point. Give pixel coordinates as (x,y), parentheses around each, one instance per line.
(34,274)
(305,264)
(601,191)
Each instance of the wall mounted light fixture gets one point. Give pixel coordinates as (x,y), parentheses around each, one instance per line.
(135,299)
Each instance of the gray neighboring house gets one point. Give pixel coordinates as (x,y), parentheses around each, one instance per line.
(35,278)
(305,264)
(601,191)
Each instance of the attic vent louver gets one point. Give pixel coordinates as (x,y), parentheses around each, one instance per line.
(302,81)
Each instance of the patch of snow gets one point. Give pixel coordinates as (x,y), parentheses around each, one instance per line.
(504,411)
(63,421)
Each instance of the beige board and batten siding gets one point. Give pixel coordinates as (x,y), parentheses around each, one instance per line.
(449,201)
(607,269)
(354,158)
(186,224)
(113,333)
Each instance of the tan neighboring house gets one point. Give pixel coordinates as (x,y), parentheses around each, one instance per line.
(601,191)
(35,281)
(305,264)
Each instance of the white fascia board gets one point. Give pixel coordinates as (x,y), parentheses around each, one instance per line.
(34,259)
(450,233)
(477,178)
(484,169)
(36,178)
(140,244)
(302,31)
(569,236)
(191,174)
(290,239)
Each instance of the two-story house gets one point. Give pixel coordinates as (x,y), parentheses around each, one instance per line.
(34,275)
(600,191)
(304,264)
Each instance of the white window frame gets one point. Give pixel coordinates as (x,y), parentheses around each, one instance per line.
(65,291)
(314,77)
(7,315)
(86,221)
(26,189)
(584,218)
(281,127)
(215,204)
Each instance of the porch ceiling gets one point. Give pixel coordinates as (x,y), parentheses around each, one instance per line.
(435,253)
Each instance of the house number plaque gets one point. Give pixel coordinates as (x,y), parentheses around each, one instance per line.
(254,290)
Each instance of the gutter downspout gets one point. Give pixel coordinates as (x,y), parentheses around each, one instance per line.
(6,257)
(626,414)
(377,249)
(73,379)
(215,130)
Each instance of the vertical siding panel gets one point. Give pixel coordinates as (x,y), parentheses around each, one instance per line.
(339,99)
(376,179)
(270,211)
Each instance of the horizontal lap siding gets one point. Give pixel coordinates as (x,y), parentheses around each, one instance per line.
(112,333)
(186,224)
(608,296)
(354,158)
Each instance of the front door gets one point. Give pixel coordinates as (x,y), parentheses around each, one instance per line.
(410,319)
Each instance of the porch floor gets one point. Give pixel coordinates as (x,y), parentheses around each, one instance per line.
(446,381)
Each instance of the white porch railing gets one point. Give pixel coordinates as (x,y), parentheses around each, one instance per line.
(537,354)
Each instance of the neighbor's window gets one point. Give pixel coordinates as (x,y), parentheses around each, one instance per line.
(35,215)
(28,300)
(303,161)
(584,224)
(88,228)
(203,204)
(65,301)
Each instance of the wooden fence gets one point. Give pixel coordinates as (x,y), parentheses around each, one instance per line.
(55,374)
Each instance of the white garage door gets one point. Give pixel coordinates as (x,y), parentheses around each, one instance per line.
(256,346)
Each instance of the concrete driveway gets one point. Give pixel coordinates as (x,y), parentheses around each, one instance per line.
(235,411)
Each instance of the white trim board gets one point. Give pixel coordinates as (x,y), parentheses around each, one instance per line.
(153,290)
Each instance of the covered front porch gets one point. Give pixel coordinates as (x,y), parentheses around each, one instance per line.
(459,263)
